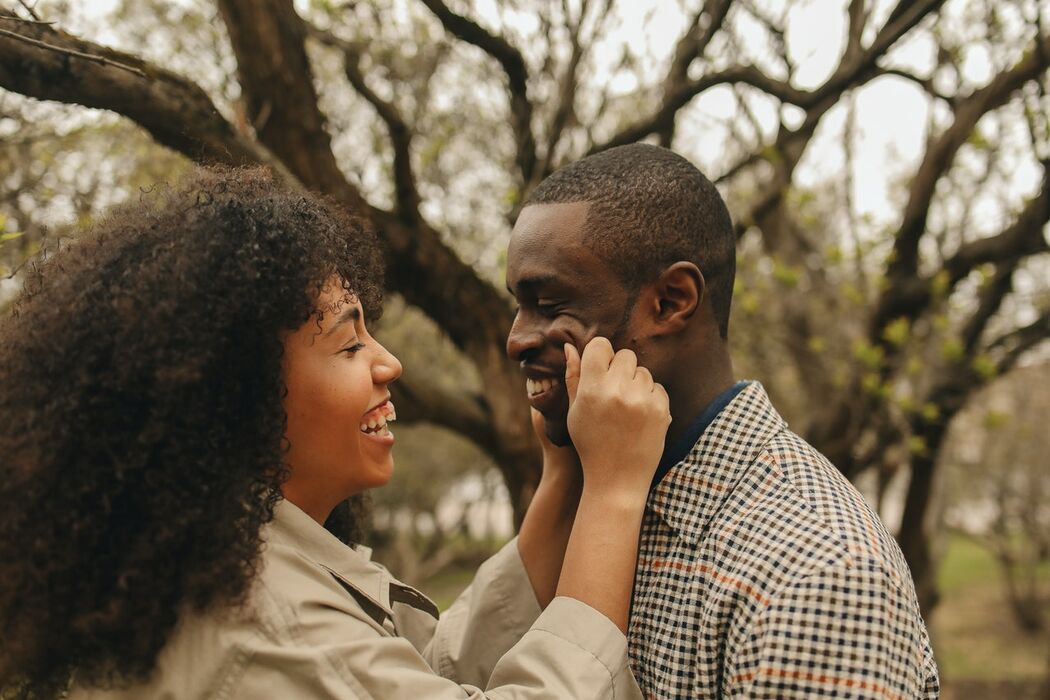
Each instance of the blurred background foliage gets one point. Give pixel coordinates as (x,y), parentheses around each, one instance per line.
(885,163)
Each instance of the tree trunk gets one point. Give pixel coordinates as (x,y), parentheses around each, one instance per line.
(914,536)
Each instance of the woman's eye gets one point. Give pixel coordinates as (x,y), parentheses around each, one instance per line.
(353,349)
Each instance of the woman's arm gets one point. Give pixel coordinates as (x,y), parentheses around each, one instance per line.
(544,533)
(618,418)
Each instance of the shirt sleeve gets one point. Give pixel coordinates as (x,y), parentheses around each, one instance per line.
(847,631)
(485,621)
(572,651)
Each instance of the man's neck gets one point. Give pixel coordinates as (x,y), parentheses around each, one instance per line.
(694,390)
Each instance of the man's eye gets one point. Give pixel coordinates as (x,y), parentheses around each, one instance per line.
(353,349)
(547,307)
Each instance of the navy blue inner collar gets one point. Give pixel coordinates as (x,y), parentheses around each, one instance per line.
(673,454)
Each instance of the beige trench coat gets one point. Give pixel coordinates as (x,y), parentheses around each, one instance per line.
(325,622)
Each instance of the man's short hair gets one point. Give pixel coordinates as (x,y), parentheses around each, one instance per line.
(650,208)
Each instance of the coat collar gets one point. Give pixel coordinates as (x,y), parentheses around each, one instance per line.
(695,489)
(294,528)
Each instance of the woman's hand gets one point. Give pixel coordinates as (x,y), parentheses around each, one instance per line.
(618,419)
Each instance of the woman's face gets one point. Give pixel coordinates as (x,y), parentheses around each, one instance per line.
(338,406)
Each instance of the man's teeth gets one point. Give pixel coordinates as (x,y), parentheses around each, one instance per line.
(538,386)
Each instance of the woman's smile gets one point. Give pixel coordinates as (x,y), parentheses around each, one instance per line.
(375,423)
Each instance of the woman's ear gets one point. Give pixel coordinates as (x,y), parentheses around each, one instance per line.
(678,293)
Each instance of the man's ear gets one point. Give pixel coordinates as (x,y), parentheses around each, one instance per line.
(677,294)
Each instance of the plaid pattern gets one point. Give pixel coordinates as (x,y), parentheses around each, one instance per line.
(762,573)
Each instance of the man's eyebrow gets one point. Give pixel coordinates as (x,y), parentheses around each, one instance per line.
(531,284)
(351,314)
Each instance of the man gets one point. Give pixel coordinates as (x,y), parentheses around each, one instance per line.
(761,572)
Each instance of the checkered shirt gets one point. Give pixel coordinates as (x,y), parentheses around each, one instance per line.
(762,573)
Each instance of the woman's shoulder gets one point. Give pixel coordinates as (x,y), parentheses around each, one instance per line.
(294,601)
(296,590)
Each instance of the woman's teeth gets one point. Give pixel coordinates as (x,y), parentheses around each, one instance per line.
(374,422)
(535,387)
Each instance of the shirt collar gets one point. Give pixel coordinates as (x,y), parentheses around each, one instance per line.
(675,453)
(294,528)
(696,487)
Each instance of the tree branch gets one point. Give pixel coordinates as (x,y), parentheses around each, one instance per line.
(1016,343)
(32,12)
(175,111)
(680,97)
(691,46)
(407,195)
(989,301)
(908,296)
(925,83)
(816,102)
(277,85)
(862,66)
(513,64)
(694,42)
(566,96)
(941,153)
(69,52)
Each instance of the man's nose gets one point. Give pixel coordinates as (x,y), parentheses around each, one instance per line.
(524,340)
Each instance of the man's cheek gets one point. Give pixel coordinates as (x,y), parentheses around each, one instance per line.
(577,335)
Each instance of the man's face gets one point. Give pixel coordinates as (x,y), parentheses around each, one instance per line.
(565,294)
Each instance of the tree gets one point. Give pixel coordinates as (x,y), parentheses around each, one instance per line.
(999,488)
(888,329)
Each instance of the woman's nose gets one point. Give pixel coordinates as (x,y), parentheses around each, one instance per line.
(386,368)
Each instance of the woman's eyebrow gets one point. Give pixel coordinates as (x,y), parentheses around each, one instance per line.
(351,314)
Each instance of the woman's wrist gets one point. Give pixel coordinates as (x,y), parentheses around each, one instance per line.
(560,495)
(615,503)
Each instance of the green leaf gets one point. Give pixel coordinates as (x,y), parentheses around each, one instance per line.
(994,420)
(749,303)
(897,331)
(917,446)
(941,283)
(952,349)
(853,294)
(873,385)
(871,356)
(10,236)
(984,367)
(787,275)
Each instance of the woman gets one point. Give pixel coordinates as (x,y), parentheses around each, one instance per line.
(189,392)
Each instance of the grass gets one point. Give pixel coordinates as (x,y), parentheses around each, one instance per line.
(446,585)
(973,629)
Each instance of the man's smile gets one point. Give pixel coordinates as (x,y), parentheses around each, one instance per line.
(545,392)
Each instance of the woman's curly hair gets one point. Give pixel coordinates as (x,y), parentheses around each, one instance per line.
(141,418)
